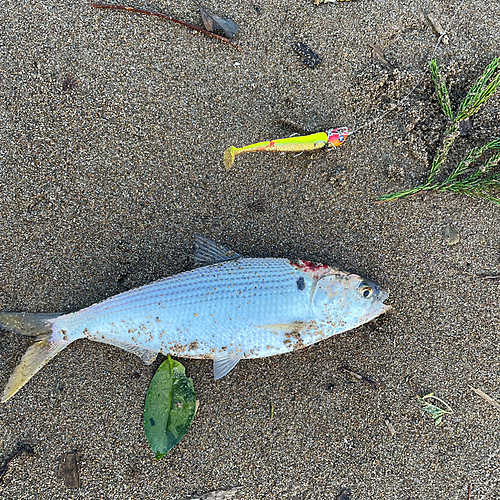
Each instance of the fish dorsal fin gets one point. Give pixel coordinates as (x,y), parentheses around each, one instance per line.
(224,362)
(207,252)
(147,355)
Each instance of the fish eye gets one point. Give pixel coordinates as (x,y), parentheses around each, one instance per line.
(365,290)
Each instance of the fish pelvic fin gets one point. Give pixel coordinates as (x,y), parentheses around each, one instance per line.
(35,358)
(229,156)
(224,362)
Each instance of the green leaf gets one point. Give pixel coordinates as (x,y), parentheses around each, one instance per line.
(170,407)
(433,411)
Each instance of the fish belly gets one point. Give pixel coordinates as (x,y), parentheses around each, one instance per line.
(227,306)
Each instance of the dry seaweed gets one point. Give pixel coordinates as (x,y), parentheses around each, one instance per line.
(308,56)
(213,23)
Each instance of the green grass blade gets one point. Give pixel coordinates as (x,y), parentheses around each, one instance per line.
(451,134)
(474,155)
(399,194)
(481,91)
(441,89)
(481,183)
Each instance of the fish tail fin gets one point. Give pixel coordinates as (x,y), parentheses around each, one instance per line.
(48,345)
(28,324)
(229,156)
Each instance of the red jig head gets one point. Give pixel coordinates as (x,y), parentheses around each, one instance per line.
(336,137)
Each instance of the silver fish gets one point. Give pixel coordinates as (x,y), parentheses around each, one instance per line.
(233,307)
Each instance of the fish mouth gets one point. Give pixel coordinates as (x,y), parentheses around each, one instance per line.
(383,294)
(385,308)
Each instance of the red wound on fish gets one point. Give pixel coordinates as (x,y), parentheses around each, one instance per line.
(317,270)
(307,265)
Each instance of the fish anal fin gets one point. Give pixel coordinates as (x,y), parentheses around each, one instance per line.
(147,355)
(224,362)
(207,252)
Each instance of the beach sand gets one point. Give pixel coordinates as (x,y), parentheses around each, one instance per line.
(103,185)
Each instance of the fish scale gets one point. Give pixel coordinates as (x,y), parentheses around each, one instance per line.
(232,308)
(247,293)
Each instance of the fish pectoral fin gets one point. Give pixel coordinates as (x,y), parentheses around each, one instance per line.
(296,326)
(207,252)
(147,355)
(224,362)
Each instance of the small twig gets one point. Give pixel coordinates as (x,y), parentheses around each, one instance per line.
(436,25)
(378,54)
(168,18)
(257,205)
(361,377)
(22,448)
(36,200)
(354,374)
(485,396)
(470,490)
(472,275)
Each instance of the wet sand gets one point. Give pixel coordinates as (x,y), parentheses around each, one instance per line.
(104,184)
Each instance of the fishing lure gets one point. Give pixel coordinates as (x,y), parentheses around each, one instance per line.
(330,139)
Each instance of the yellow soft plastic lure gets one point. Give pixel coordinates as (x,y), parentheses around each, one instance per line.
(329,139)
